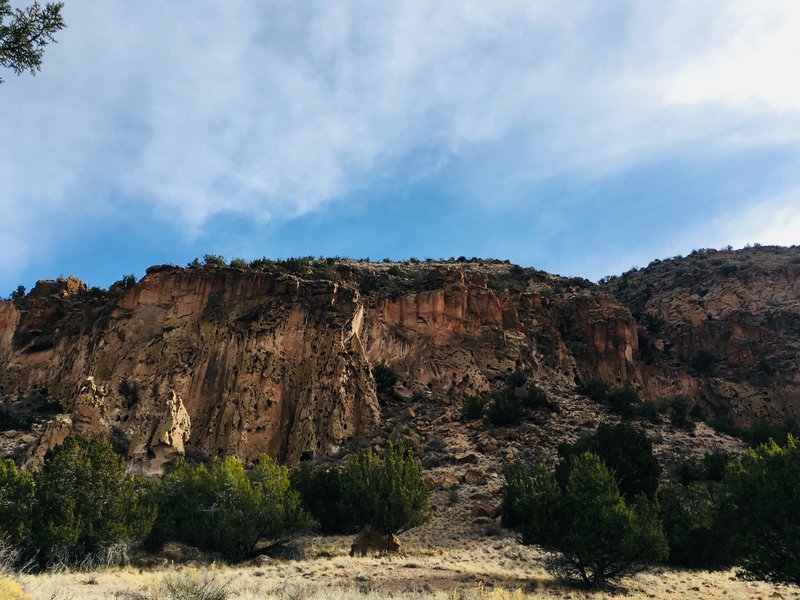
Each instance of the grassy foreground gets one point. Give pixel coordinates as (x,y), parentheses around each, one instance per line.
(489,568)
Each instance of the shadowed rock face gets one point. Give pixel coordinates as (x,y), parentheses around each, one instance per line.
(227,361)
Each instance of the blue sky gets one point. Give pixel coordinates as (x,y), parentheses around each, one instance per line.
(580,138)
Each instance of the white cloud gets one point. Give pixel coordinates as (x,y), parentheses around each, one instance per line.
(273,110)
(774,221)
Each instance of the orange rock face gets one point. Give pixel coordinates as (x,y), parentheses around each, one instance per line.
(247,362)
(722,328)
(221,361)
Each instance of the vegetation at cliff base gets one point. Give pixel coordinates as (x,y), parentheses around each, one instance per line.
(222,508)
(594,535)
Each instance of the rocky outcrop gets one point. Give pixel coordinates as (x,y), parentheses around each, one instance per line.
(219,361)
(722,328)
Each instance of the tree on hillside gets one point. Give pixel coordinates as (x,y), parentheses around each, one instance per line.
(595,535)
(387,493)
(625,450)
(24,33)
(759,502)
(84,502)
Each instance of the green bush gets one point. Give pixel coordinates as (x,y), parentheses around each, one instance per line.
(536,398)
(16,503)
(596,391)
(472,408)
(623,401)
(760,431)
(84,502)
(213,260)
(322,494)
(385,378)
(689,518)
(680,413)
(19,293)
(516,379)
(239,263)
(596,535)
(386,493)
(759,502)
(627,451)
(517,486)
(704,362)
(221,508)
(395,271)
(505,408)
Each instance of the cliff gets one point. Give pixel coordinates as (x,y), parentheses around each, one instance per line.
(278,358)
(721,327)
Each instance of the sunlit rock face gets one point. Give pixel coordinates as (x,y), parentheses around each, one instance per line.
(223,361)
(721,327)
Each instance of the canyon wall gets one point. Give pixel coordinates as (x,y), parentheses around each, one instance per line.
(217,360)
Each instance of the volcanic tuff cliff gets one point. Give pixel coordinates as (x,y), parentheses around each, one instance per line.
(220,360)
(721,327)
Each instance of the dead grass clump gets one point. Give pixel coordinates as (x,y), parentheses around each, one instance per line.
(10,589)
(189,584)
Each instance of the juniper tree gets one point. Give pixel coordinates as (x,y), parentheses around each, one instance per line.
(24,33)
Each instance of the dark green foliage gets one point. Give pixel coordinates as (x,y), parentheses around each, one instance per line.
(709,470)
(759,502)
(386,493)
(623,401)
(221,508)
(472,408)
(16,503)
(714,465)
(505,408)
(19,293)
(213,260)
(24,33)
(536,398)
(239,263)
(704,362)
(516,379)
(127,281)
(679,408)
(647,411)
(84,502)
(322,494)
(385,378)
(762,431)
(759,431)
(596,535)
(627,451)
(395,271)
(689,518)
(295,265)
(515,489)
(516,270)
(596,390)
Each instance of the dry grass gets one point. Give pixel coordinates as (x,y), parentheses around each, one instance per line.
(488,569)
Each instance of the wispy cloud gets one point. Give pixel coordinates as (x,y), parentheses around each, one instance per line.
(273,110)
